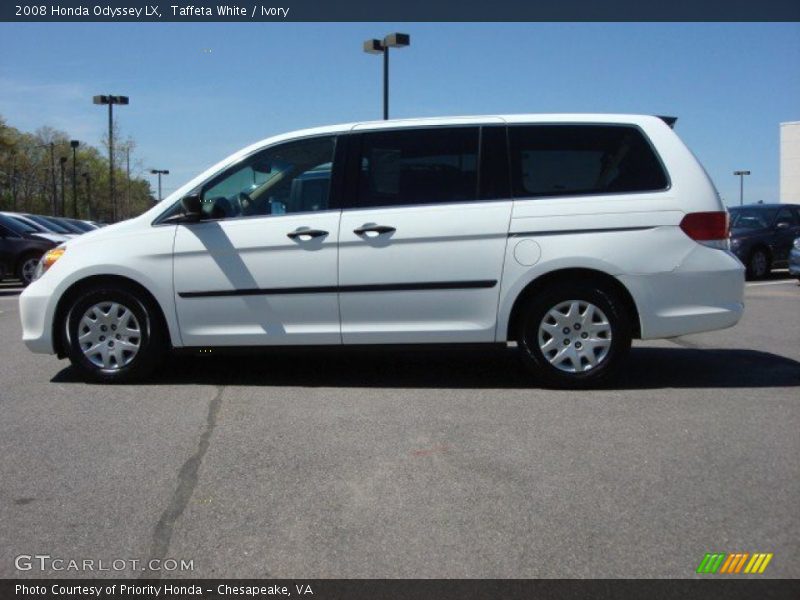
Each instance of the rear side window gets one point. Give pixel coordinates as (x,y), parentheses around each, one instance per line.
(554,160)
(787,216)
(422,166)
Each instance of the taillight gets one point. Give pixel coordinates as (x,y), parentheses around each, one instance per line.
(707,228)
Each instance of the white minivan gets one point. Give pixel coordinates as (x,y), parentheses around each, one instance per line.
(567,234)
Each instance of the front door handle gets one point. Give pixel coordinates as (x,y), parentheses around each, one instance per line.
(304,232)
(370,228)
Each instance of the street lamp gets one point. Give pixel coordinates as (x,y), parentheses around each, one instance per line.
(159,172)
(111,101)
(62,161)
(393,40)
(88,179)
(741,175)
(74,145)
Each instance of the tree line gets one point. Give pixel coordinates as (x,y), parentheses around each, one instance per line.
(37,176)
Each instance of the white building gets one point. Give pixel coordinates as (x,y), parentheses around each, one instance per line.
(790,162)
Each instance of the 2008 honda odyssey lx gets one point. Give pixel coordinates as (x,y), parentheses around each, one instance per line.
(569,234)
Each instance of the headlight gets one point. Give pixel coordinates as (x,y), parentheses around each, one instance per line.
(735,242)
(797,243)
(48,260)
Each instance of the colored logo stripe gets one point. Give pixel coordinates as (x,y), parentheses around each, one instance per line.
(758,563)
(710,563)
(734,563)
(721,562)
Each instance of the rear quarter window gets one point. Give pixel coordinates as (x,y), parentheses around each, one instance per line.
(558,160)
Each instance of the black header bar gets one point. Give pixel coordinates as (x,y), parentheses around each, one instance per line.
(400,10)
(717,588)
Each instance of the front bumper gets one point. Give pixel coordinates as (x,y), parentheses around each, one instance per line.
(36,309)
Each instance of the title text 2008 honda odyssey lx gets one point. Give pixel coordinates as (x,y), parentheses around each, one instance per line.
(569,234)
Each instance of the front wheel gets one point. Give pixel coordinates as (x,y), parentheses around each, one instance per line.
(574,335)
(113,334)
(26,269)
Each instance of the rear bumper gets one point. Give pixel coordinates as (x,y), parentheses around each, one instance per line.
(36,309)
(705,292)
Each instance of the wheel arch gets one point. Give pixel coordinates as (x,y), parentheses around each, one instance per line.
(78,287)
(583,275)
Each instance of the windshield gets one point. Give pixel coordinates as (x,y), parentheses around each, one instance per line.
(16,226)
(48,224)
(752,218)
(33,226)
(69,226)
(81,225)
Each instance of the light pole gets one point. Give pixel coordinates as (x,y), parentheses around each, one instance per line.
(88,179)
(53,176)
(741,175)
(128,178)
(14,180)
(62,161)
(393,40)
(159,172)
(53,195)
(74,145)
(111,101)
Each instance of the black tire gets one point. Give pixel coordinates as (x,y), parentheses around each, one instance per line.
(23,270)
(608,365)
(758,264)
(152,340)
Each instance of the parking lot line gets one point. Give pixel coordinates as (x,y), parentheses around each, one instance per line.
(781,282)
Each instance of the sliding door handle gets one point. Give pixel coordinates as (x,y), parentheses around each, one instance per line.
(305,232)
(370,228)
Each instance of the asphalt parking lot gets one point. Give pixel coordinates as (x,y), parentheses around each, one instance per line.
(411,464)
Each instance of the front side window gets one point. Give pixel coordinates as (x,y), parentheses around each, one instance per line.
(288,178)
(752,218)
(422,166)
(555,160)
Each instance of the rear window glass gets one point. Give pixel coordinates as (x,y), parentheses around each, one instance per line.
(554,160)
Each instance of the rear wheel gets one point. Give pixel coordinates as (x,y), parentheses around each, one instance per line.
(758,264)
(113,334)
(574,335)
(26,268)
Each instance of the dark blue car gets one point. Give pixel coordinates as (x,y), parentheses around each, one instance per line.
(762,236)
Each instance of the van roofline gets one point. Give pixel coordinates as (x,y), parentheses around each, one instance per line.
(473,120)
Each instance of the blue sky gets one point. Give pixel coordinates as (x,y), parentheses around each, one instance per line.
(201,91)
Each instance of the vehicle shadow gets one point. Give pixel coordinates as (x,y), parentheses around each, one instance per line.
(776,275)
(647,368)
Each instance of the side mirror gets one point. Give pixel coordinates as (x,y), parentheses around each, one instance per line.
(782,225)
(191,210)
(192,206)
